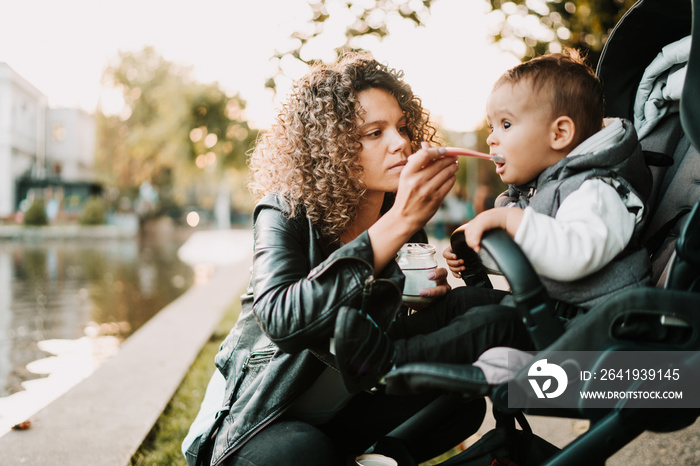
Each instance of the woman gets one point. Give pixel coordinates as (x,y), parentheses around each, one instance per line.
(340,197)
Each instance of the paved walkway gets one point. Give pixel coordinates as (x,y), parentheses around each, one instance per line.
(104,419)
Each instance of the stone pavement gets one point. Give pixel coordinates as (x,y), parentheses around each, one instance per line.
(104,419)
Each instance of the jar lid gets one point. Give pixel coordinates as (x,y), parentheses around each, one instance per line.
(417,249)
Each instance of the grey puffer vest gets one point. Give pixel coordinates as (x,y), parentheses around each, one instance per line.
(622,163)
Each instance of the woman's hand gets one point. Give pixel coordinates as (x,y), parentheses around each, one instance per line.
(425,180)
(441,288)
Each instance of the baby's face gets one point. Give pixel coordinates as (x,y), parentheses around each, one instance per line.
(520,131)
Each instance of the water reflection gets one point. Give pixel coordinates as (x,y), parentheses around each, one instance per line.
(56,290)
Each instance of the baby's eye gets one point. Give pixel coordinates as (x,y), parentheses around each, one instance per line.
(490,129)
(506,124)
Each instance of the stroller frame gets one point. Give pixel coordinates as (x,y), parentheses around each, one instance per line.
(672,235)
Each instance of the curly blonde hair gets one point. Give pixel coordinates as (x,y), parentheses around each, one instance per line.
(310,154)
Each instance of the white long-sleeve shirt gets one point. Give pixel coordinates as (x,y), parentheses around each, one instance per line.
(591,227)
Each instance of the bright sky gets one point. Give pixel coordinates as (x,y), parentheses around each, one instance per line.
(63,47)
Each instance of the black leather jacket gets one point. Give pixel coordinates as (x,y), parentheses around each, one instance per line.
(279,345)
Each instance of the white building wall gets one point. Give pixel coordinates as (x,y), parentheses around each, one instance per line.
(6,180)
(39,141)
(70,143)
(22,114)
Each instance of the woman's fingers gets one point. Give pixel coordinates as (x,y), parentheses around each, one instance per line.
(426,155)
(436,291)
(435,179)
(429,162)
(425,181)
(439,275)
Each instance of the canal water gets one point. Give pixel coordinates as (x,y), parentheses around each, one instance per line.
(66,305)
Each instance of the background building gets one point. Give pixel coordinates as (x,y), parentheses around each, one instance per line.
(70,144)
(22,133)
(43,151)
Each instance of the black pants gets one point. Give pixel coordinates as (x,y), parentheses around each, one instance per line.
(458,328)
(367,418)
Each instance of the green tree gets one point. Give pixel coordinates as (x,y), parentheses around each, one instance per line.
(173,133)
(530,28)
(369,17)
(527,28)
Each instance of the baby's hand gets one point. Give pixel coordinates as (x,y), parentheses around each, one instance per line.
(508,218)
(453,263)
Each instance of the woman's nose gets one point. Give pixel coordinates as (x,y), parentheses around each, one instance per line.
(399,143)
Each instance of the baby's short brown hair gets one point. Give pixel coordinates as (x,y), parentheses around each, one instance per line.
(568,84)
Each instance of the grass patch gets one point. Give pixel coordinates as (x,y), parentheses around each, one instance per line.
(163,443)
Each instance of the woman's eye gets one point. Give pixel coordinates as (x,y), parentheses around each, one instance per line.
(403,130)
(374,134)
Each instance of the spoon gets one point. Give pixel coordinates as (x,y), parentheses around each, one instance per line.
(495,158)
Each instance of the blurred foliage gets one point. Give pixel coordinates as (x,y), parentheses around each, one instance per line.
(94,212)
(362,18)
(30,265)
(173,133)
(529,28)
(526,28)
(36,214)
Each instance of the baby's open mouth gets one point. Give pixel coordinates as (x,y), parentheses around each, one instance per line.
(498,159)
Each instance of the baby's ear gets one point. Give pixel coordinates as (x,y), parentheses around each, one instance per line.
(562,132)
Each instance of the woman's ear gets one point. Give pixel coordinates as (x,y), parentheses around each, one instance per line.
(562,132)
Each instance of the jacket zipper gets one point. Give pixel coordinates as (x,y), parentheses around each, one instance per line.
(258,356)
(369,284)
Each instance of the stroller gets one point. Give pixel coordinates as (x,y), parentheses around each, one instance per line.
(662,318)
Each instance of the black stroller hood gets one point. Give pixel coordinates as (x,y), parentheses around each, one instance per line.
(633,44)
